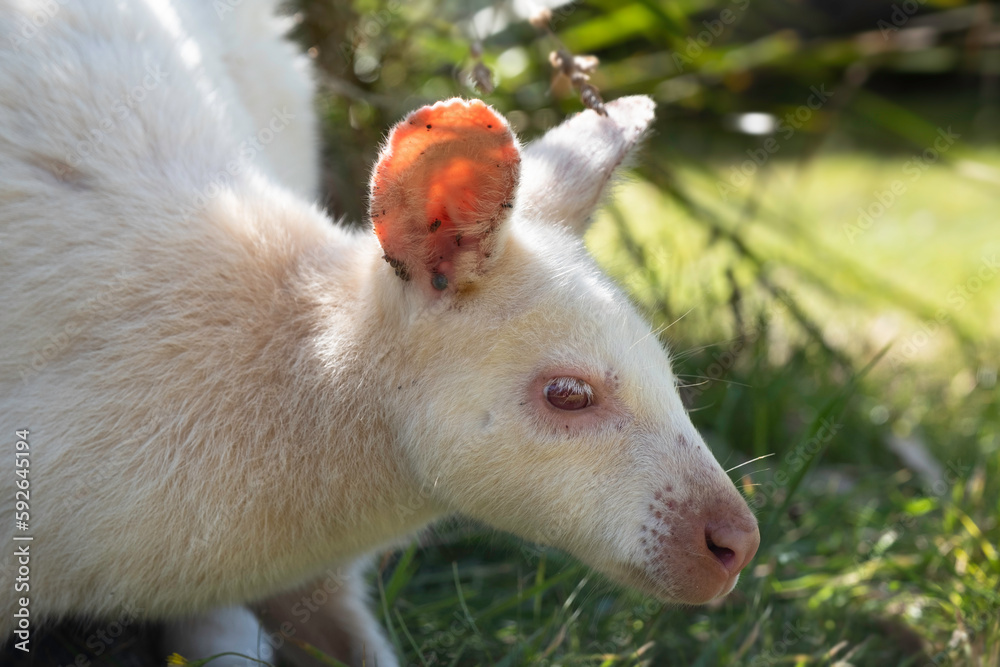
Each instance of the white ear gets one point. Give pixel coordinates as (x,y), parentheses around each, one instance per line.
(564,173)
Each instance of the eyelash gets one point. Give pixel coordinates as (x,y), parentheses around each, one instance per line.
(568,394)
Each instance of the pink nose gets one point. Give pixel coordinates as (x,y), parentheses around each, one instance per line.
(732,546)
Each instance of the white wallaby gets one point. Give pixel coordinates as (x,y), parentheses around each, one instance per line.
(232,403)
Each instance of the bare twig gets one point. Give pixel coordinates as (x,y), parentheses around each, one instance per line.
(577,69)
(481,74)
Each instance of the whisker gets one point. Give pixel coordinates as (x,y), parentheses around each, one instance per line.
(657,331)
(707,379)
(751,461)
(694,384)
(692,350)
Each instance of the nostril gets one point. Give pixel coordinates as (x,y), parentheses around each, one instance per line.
(725,555)
(732,547)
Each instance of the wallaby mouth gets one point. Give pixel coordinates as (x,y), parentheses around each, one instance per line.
(694,549)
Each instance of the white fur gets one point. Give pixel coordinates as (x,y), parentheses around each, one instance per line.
(234,402)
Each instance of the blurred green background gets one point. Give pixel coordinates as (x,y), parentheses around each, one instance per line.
(816,217)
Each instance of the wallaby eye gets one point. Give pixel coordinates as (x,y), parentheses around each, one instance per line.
(568,394)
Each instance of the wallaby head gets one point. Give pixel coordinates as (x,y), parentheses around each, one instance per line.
(530,393)
(237,402)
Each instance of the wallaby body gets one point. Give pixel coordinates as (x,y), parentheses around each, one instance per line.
(233,401)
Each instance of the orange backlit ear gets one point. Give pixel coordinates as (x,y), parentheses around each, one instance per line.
(442,187)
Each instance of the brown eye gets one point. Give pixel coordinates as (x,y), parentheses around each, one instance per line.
(569,394)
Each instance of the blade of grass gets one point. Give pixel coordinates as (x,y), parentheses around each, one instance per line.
(402,575)
(465,608)
(413,643)
(503,606)
(539,580)
(316,654)
(835,406)
(388,614)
